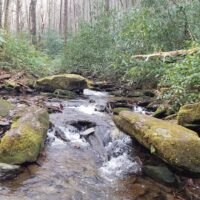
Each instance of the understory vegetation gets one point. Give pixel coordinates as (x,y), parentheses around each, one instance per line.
(104,49)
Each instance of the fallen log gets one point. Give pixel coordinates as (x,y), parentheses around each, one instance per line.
(5,76)
(163,55)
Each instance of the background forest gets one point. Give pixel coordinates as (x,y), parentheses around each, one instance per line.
(100,38)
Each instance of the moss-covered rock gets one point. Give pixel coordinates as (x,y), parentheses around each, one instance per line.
(70,82)
(10,85)
(116,111)
(175,144)
(65,94)
(189,114)
(160,112)
(5,107)
(23,142)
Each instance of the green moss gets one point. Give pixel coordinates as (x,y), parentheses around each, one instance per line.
(11,84)
(175,144)
(65,94)
(116,111)
(189,114)
(26,138)
(63,82)
(160,112)
(5,108)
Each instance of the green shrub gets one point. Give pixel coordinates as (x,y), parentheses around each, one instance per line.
(16,52)
(146,74)
(51,43)
(90,50)
(183,82)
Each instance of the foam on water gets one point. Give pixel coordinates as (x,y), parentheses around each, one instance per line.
(120,163)
(90,109)
(55,140)
(139,109)
(88,92)
(73,135)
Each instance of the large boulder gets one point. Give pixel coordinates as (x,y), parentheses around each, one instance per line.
(71,82)
(174,144)
(23,142)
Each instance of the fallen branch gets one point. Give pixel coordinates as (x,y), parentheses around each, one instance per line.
(163,55)
(5,76)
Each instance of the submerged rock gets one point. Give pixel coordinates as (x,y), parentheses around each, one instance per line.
(5,108)
(160,173)
(174,144)
(71,82)
(189,116)
(9,171)
(23,142)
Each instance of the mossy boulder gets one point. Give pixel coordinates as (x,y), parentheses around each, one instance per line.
(71,82)
(174,144)
(160,112)
(116,111)
(5,108)
(11,84)
(189,114)
(23,142)
(65,94)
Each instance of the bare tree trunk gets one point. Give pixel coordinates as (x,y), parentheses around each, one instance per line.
(6,15)
(49,13)
(65,21)
(32,21)
(107,5)
(18,10)
(1,13)
(90,11)
(61,16)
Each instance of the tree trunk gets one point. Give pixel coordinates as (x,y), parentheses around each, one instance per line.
(6,15)
(1,12)
(32,21)
(65,21)
(18,10)
(107,5)
(61,16)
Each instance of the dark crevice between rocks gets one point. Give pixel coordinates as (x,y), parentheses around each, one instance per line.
(83,125)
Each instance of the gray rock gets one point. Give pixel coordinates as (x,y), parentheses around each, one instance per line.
(88,132)
(9,171)
(160,173)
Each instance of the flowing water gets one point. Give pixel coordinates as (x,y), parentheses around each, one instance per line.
(85,157)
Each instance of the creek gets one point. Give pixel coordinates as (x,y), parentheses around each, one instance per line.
(85,157)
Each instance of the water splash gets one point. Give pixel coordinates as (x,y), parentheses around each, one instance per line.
(118,167)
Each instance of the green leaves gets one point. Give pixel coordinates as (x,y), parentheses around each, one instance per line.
(17,53)
(183,80)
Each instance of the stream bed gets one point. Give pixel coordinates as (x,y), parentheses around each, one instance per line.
(85,157)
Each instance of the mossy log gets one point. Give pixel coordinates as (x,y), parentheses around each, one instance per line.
(23,142)
(174,144)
